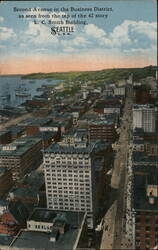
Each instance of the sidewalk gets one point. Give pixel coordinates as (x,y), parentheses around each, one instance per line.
(108,228)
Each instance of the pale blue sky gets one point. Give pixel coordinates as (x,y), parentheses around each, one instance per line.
(129,30)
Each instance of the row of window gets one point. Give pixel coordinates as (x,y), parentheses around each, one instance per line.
(67,184)
(80,179)
(66,191)
(67,162)
(86,165)
(68,208)
(40,226)
(82,203)
(67,171)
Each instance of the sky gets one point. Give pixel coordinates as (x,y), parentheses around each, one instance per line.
(124,35)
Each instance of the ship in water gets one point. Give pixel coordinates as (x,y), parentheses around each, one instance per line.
(21,92)
(5,97)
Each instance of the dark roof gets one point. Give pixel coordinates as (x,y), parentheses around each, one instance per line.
(140,132)
(140,200)
(3,132)
(16,129)
(143,157)
(18,211)
(46,135)
(147,169)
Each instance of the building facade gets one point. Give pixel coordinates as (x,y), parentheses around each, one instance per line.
(145,211)
(102,130)
(5,181)
(70,178)
(21,156)
(145,117)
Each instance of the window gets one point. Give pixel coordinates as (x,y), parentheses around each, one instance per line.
(137,220)
(147,220)
(147,228)
(147,235)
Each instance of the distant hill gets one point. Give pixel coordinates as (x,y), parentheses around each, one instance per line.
(106,75)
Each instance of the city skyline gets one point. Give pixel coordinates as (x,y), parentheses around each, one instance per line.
(122,40)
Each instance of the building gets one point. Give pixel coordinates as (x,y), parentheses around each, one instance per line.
(145,117)
(52,229)
(142,94)
(120,91)
(5,181)
(5,137)
(102,130)
(139,133)
(28,190)
(21,156)
(48,137)
(33,125)
(17,131)
(148,146)
(36,103)
(70,177)
(12,218)
(143,159)
(145,211)
(108,104)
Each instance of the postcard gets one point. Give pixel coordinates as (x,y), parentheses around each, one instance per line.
(78,124)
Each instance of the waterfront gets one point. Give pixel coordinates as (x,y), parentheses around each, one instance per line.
(8,84)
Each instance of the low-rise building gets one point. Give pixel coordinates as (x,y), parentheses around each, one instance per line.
(28,190)
(52,229)
(17,131)
(13,218)
(21,156)
(33,125)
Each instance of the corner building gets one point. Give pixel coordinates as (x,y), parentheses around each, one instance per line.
(70,178)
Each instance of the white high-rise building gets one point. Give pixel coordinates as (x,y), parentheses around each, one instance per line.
(145,116)
(70,178)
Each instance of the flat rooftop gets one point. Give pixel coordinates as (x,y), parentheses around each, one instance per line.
(36,121)
(40,240)
(19,146)
(16,129)
(3,132)
(79,148)
(144,106)
(101,122)
(56,148)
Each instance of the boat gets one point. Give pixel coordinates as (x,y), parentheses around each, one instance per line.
(22,94)
(5,97)
(20,89)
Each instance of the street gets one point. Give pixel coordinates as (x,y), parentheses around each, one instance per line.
(116,216)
